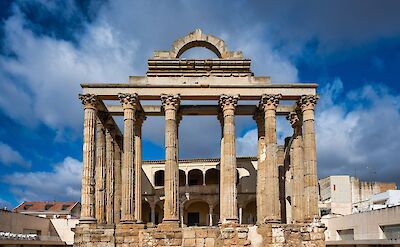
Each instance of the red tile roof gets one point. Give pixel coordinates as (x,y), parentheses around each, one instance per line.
(45,207)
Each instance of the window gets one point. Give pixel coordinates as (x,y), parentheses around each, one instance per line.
(27,206)
(64,207)
(159,178)
(48,206)
(347,234)
(391,232)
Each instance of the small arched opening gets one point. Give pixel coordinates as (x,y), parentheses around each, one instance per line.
(159,178)
(196,213)
(182,178)
(195,177)
(212,176)
(250,213)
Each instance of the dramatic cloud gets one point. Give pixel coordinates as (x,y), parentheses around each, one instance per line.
(61,184)
(44,73)
(9,156)
(357,133)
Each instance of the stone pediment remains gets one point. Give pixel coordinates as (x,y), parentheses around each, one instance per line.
(230,66)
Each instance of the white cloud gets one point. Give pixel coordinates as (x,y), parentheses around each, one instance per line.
(63,183)
(48,71)
(357,133)
(9,156)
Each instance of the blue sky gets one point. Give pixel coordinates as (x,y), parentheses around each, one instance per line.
(47,48)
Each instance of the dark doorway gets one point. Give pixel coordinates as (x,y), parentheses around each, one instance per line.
(193,219)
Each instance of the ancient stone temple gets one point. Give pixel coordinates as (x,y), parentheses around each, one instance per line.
(268,200)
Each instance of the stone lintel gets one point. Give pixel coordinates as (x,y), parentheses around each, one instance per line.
(200,80)
(198,110)
(200,91)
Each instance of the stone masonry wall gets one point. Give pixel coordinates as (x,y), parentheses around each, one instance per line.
(134,235)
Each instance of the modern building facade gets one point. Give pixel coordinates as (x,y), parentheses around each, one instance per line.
(343,195)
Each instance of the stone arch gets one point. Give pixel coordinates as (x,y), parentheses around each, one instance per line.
(196,208)
(250,212)
(198,39)
(182,177)
(195,177)
(212,176)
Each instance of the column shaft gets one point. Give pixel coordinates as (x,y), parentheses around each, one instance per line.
(307,104)
(228,190)
(110,175)
(117,182)
(296,162)
(261,171)
(138,167)
(100,174)
(171,183)
(269,104)
(129,103)
(88,167)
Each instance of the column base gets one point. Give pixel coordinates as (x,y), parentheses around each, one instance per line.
(87,220)
(169,224)
(128,222)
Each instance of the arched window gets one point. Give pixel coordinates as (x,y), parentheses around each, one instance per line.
(195,177)
(159,178)
(212,176)
(182,178)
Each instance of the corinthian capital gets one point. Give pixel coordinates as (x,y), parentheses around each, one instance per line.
(270,101)
(170,101)
(228,102)
(308,102)
(88,100)
(128,100)
(294,119)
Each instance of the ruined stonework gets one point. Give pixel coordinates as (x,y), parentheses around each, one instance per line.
(124,204)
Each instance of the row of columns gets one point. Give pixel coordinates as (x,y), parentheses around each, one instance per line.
(105,167)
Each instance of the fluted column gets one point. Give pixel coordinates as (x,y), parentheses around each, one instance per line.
(261,168)
(100,195)
(296,162)
(138,166)
(228,190)
(307,105)
(117,180)
(171,184)
(110,174)
(269,103)
(129,104)
(89,102)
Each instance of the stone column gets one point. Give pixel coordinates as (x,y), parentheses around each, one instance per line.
(261,168)
(129,104)
(100,174)
(138,166)
(117,180)
(228,190)
(296,162)
(307,104)
(110,174)
(89,102)
(210,213)
(221,171)
(171,183)
(269,103)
